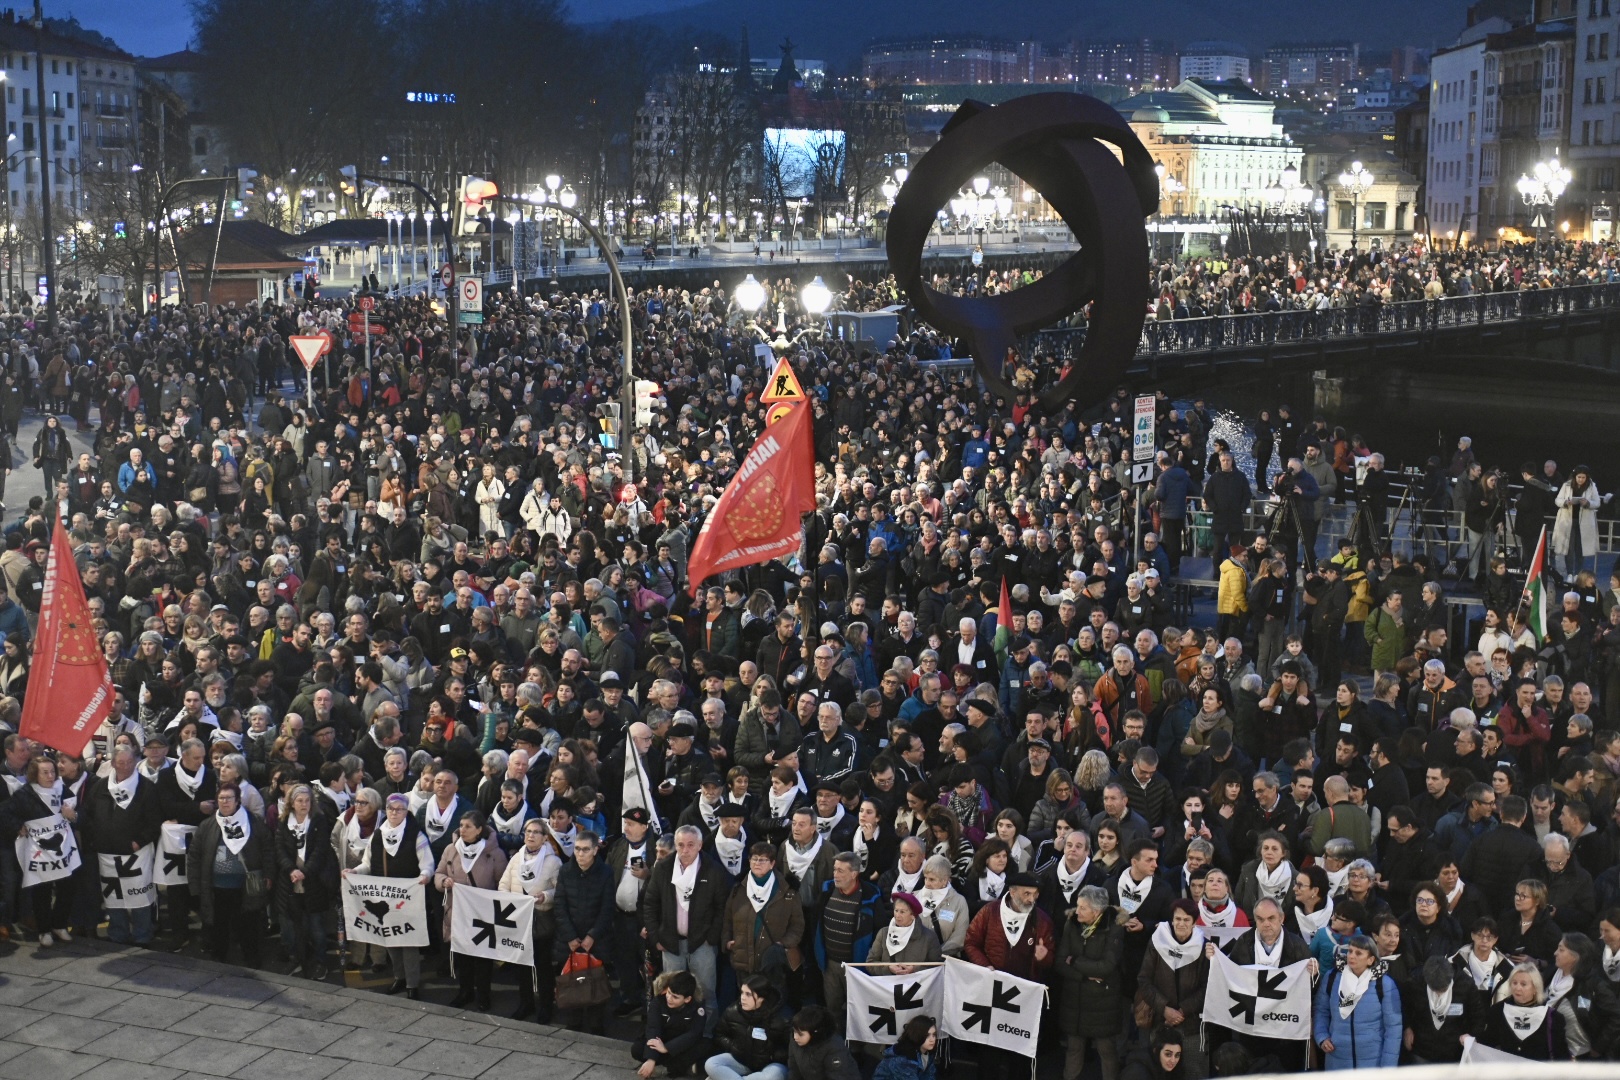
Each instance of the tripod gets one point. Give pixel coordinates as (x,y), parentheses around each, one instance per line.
(1284,520)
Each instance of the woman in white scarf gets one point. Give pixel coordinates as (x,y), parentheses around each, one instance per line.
(1357,1018)
(532,871)
(1009,829)
(1523,1023)
(509,817)
(762,912)
(228,846)
(1312,905)
(987,878)
(40,798)
(1486,966)
(309,877)
(944,911)
(1176,969)
(388,854)
(475,859)
(1609,933)
(905,942)
(1270,876)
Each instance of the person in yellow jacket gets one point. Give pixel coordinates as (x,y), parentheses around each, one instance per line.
(1232,599)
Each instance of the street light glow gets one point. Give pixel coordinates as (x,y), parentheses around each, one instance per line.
(750,295)
(816,297)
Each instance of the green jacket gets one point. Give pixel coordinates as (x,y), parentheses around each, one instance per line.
(1387,638)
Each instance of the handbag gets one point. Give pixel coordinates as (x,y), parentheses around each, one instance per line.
(254,889)
(197,494)
(582,983)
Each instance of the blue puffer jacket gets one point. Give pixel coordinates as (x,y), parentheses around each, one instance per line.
(1370,1037)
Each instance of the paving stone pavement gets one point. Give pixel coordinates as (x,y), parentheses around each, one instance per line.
(93,1011)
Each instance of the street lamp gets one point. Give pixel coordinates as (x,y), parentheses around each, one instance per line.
(1356,182)
(1542,188)
(816,297)
(749,295)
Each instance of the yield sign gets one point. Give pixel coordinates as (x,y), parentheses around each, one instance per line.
(309,348)
(784,385)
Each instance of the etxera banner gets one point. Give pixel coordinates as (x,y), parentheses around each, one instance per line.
(391,912)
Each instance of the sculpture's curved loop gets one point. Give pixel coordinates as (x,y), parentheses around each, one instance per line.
(1054,142)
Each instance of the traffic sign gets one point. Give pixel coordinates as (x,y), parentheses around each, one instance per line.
(778,412)
(784,385)
(367,303)
(447,275)
(473,317)
(472,294)
(1141,472)
(309,348)
(1144,430)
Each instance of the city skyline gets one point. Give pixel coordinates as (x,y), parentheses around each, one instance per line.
(155,27)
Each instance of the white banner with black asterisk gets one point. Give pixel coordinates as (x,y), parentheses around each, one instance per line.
(47,851)
(1271,1002)
(126,880)
(495,925)
(172,848)
(391,912)
(991,1007)
(878,1006)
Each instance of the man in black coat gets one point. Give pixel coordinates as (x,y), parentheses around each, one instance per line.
(683,909)
(1461,1012)
(185,803)
(1227,494)
(1410,858)
(1278,948)
(1570,895)
(1502,858)
(118,816)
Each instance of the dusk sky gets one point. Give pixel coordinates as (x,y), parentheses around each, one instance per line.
(153,27)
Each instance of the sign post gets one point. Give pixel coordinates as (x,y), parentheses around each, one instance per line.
(1144,437)
(310,348)
(366,304)
(471,292)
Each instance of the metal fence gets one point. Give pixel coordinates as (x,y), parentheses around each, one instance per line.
(1363,320)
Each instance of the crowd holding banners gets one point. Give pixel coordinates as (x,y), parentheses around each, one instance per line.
(427,633)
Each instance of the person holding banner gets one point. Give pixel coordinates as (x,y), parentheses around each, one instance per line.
(1015,936)
(1357,1019)
(40,799)
(1088,962)
(1523,1024)
(473,858)
(399,849)
(903,943)
(1269,945)
(532,870)
(119,814)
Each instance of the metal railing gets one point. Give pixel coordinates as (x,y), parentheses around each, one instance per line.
(1363,320)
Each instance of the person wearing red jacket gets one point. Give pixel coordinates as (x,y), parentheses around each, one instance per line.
(1012,935)
(1527,729)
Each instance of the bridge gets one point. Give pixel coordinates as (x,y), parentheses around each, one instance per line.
(1575,326)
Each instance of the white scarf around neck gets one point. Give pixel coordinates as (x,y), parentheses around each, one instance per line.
(300,832)
(759,892)
(781,803)
(1523,1020)
(1310,922)
(1439,1005)
(189,783)
(233,830)
(1274,883)
(123,791)
(1351,988)
(1014,922)
(904,882)
(469,852)
(391,836)
(1177,954)
(1132,893)
(898,937)
(1611,964)
(732,852)
(1225,917)
(684,878)
(50,796)
(436,821)
(825,825)
(800,861)
(1069,883)
(992,884)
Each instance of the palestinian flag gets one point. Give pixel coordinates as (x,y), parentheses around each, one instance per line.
(1002,642)
(1534,599)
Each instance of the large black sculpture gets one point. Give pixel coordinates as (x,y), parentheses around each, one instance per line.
(1052,142)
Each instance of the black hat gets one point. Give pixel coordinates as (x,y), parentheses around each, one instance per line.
(1096,579)
(830,785)
(638,815)
(682,731)
(1042,743)
(1022,880)
(980,704)
(731,809)
(610,681)
(712,778)
(528,736)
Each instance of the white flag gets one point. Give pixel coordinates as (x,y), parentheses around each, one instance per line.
(172,848)
(878,1006)
(495,925)
(1220,935)
(48,852)
(992,1007)
(386,911)
(1477,1053)
(126,880)
(1271,1002)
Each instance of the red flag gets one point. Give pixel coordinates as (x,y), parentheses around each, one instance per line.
(70,691)
(757,519)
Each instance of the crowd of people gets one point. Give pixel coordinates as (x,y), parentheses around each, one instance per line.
(433,629)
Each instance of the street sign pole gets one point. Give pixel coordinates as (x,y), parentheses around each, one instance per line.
(1143,439)
(367,313)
